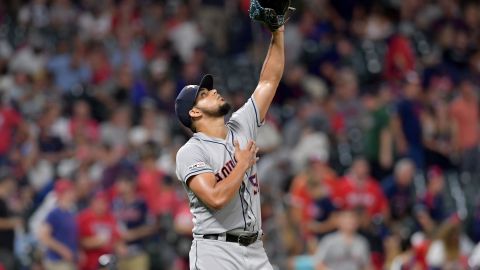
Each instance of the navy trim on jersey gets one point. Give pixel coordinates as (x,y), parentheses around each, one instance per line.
(249,195)
(239,191)
(243,209)
(233,160)
(251,204)
(259,123)
(196,173)
(215,142)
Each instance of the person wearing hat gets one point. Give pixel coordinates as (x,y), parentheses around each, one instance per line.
(431,206)
(59,230)
(217,168)
(98,231)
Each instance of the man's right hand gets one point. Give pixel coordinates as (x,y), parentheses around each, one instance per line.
(66,254)
(246,157)
(17,222)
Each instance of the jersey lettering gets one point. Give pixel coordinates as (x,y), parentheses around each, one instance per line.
(225,171)
(254,180)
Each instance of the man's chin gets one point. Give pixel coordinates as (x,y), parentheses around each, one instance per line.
(225,109)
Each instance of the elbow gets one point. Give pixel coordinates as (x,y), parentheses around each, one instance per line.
(43,239)
(217,203)
(42,235)
(271,81)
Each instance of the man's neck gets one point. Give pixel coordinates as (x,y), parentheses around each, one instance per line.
(63,205)
(348,236)
(129,197)
(215,128)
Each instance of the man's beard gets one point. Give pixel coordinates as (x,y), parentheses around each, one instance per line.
(223,110)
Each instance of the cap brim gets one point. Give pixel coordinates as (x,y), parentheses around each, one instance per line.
(206,82)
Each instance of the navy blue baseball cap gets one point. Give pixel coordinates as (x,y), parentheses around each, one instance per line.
(186,99)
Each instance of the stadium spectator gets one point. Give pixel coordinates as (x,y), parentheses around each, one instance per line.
(99,233)
(344,249)
(82,126)
(151,180)
(400,193)
(399,58)
(349,110)
(450,249)
(407,121)
(476,220)
(8,222)
(438,134)
(11,121)
(465,115)
(68,67)
(378,134)
(406,254)
(431,205)
(358,190)
(213,15)
(59,231)
(474,260)
(115,131)
(312,205)
(134,217)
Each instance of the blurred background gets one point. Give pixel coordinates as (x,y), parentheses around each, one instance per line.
(369,154)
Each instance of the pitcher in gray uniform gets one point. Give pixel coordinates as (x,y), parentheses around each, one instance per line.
(217,167)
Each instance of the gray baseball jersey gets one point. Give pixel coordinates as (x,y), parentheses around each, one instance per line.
(202,154)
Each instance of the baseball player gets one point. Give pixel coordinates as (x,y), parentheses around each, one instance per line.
(217,167)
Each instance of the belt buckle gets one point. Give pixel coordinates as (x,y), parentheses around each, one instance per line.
(247,239)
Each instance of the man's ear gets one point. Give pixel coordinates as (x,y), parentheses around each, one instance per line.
(194,113)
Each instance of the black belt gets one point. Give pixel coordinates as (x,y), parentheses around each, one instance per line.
(244,239)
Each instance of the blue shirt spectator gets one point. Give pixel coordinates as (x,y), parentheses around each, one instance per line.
(59,232)
(64,230)
(68,71)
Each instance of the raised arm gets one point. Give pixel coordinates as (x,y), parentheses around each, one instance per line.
(271,73)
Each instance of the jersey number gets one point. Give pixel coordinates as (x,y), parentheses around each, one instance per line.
(254,180)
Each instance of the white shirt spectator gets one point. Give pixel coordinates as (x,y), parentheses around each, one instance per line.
(185,38)
(474,260)
(26,60)
(336,253)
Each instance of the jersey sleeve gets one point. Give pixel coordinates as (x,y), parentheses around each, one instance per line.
(247,118)
(191,161)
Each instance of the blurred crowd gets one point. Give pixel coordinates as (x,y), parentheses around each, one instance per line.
(369,154)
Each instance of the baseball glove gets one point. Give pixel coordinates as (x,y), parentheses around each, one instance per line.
(272,13)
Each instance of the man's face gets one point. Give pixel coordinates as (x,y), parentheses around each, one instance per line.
(70,196)
(211,103)
(8,186)
(361,169)
(437,184)
(347,222)
(100,205)
(124,187)
(405,176)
